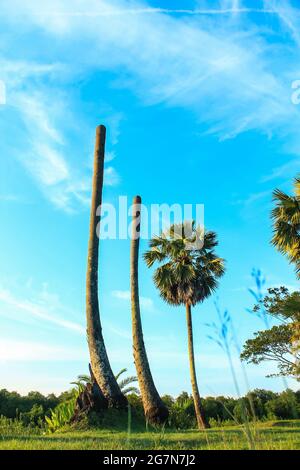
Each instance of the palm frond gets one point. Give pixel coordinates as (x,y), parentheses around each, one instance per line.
(286,224)
(185,275)
(128,390)
(122,371)
(127,381)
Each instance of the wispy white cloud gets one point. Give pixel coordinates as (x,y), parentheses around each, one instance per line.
(287,14)
(254,198)
(111,176)
(145,302)
(110,156)
(40,308)
(229,74)
(44,112)
(224,69)
(286,170)
(170,11)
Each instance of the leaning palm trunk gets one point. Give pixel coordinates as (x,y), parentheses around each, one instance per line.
(196,396)
(154,408)
(99,361)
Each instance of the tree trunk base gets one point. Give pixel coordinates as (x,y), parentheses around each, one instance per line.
(157,415)
(90,400)
(119,402)
(203,426)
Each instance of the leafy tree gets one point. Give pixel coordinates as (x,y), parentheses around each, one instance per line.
(281,304)
(280,343)
(187,274)
(242,410)
(284,406)
(212,408)
(286,224)
(272,345)
(183,397)
(168,401)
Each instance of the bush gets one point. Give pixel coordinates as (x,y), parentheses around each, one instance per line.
(15,427)
(182,414)
(34,417)
(61,415)
(284,406)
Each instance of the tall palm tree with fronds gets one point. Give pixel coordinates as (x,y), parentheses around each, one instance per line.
(155,410)
(99,360)
(286,224)
(187,274)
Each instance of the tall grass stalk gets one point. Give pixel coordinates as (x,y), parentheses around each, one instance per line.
(258,294)
(222,335)
(129,429)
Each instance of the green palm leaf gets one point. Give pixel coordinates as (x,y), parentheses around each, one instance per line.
(286,224)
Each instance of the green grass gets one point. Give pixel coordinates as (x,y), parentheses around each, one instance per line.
(279,435)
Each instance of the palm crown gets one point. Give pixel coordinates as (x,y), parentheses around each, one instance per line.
(286,224)
(187,274)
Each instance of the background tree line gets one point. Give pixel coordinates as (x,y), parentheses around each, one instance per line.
(32,408)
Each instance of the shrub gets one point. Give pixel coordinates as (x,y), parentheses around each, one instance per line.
(61,415)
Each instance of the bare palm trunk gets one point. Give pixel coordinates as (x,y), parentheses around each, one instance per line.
(155,410)
(195,390)
(99,360)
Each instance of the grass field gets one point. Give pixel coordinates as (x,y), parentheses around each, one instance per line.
(279,435)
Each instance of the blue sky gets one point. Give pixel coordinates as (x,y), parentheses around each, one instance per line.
(198,109)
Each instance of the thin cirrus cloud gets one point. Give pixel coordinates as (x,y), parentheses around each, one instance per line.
(234,75)
(145,302)
(39,309)
(39,119)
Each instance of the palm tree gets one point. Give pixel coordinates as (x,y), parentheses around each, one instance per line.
(99,360)
(286,224)
(124,384)
(155,410)
(187,274)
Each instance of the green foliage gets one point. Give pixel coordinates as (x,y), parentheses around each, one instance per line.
(13,405)
(61,415)
(282,342)
(34,417)
(286,221)
(273,345)
(185,275)
(16,427)
(284,406)
(182,414)
(220,411)
(281,304)
(231,411)
(124,384)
